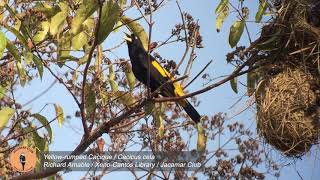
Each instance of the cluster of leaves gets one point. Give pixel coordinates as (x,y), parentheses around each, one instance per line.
(241,54)
(236,30)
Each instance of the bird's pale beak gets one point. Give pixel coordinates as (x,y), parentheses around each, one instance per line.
(127,37)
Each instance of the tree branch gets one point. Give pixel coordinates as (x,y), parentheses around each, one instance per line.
(85,73)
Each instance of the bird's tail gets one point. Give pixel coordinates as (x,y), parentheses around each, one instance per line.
(190,110)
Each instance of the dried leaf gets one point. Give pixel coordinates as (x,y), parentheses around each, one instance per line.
(59,114)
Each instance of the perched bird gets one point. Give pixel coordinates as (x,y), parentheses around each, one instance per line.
(158,75)
(22,159)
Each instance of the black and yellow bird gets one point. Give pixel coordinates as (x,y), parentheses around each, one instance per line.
(158,75)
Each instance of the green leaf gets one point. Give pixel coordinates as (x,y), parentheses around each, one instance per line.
(59,19)
(29,141)
(114,85)
(202,139)
(90,101)
(79,41)
(105,97)
(88,24)
(4,87)
(3,43)
(236,31)
(125,98)
(109,17)
(43,120)
(137,29)
(86,9)
(159,122)
(59,114)
(47,9)
(122,3)
(233,83)
(13,51)
(40,142)
(22,73)
(251,80)
(41,35)
(27,57)
(5,114)
(64,47)
(221,17)
(112,75)
(20,37)
(149,107)
(38,64)
(51,177)
(262,9)
(221,6)
(17,26)
(117,26)
(3,91)
(75,74)
(129,75)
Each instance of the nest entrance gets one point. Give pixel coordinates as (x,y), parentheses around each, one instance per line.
(286,112)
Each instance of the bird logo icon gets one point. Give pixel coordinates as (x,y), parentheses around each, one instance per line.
(22,159)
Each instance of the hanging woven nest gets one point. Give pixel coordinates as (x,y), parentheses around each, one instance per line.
(286,112)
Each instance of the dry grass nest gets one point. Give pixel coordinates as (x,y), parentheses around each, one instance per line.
(286,112)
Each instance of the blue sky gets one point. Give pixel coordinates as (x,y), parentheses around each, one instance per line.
(217,100)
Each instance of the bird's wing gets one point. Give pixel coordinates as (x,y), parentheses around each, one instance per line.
(159,76)
(162,75)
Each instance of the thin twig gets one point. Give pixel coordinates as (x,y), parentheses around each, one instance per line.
(33,130)
(85,73)
(205,67)
(141,114)
(150,23)
(142,14)
(42,93)
(185,39)
(192,54)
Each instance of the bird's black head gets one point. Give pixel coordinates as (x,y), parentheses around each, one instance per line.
(133,42)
